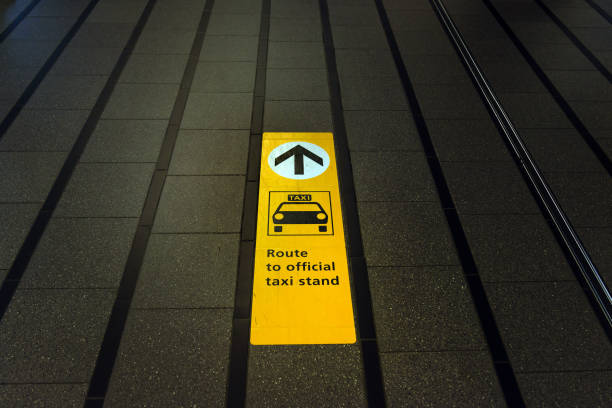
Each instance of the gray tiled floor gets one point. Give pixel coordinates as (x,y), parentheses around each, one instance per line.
(172,357)
(188,271)
(125,141)
(15,222)
(44,130)
(39,395)
(423,309)
(208,152)
(282,375)
(200,204)
(106,190)
(53,336)
(441,379)
(81,253)
(27,177)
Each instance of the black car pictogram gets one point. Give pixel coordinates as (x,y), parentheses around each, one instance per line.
(300,213)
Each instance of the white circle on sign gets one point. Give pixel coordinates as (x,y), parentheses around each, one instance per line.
(298,160)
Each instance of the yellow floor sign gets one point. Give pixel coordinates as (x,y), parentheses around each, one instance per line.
(301,288)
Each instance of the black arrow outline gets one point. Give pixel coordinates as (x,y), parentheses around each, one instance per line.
(298,163)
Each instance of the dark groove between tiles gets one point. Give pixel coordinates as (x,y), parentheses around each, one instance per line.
(241,324)
(357,264)
(588,138)
(601,11)
(98,386)
(24,13)
(501,362)
(583,49)
(44,70)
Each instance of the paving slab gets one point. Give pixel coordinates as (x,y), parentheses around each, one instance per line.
(154,69)
(106,190)
(172,358)
(102,35)
(229,48)
(424,309)
(117,12)
(595,115)
(188,271)
(51,335)
(372,93)
(434,379)
(296,55)
(141,101)
(295,29)
(571,153)
(297,85)
(67,92)
(81,253)
(28,176)
(409,171)
(224,77)
(237,6)
(515,76)
(513,247)
(595,39)
(585,389)
(581,85)
(155,40)
(176,16)
(15,223)
(360,14)
(405,234)
(316,375)
(42,28)
(435,69)
(86,61)
(423,42)
(549,326)
(218,111)
(55,8)
(14,81)
(200,204)
(484,188)
(44,130)
(297,116)
(43,395)
(464,140)
(365,63)
(559,56)
(381,131)
(351,37)
(118,140)
(208,152)
(583,196)
(25,53)
(450,101)
(233,24)
(294,8)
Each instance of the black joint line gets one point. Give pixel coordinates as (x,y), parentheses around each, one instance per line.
(357,267)
(239,351)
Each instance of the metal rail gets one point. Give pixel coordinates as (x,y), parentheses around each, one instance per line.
(569,237)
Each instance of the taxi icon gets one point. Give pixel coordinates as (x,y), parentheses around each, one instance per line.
(293,213)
